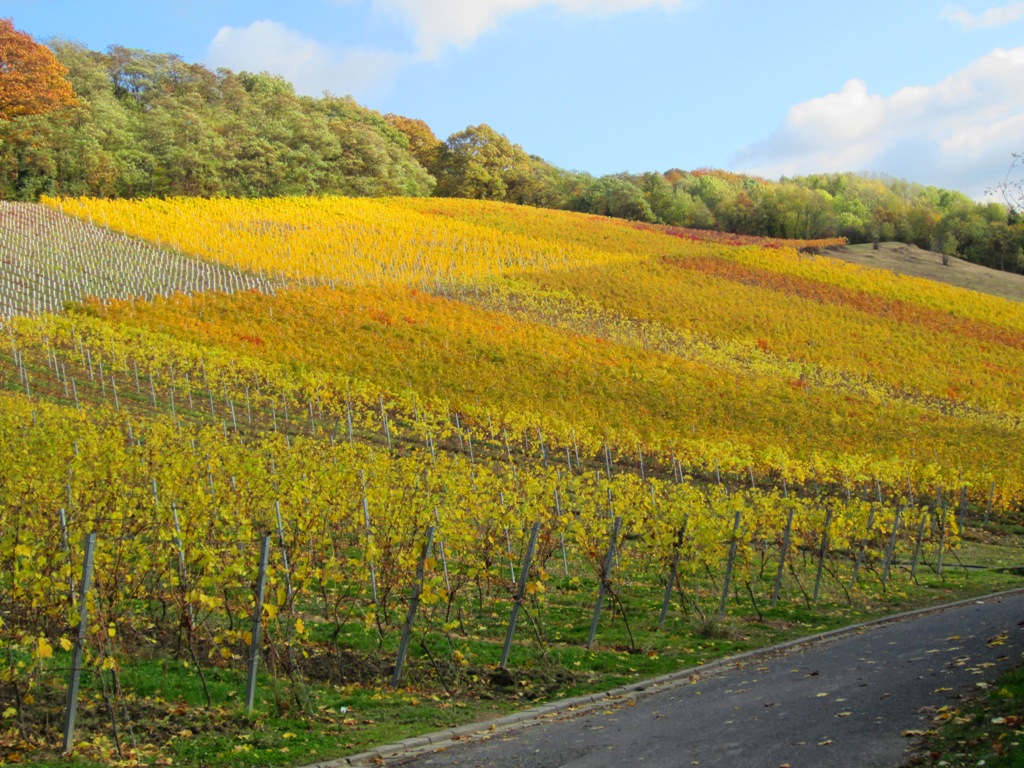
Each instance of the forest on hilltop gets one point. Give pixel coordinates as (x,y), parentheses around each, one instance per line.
(152,125)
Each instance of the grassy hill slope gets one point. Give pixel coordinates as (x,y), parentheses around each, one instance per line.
(906,259)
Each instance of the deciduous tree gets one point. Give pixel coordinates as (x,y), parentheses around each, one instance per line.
(32,81)
(423,144)
(1012,187)
(480,163)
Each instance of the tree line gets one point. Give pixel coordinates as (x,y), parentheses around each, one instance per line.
(142,124)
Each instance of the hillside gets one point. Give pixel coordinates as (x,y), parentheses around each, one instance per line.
(463,408)
(789,338)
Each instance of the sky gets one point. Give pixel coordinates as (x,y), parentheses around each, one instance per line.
(932,92)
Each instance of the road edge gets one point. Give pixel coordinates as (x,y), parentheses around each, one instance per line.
(582,704)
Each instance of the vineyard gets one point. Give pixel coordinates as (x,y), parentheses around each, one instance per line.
(49,260)
(447,447)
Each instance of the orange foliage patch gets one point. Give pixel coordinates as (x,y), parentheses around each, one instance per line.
(382,317)
(32,81)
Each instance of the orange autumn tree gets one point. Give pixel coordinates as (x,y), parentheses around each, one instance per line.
(423,144)
(32,81)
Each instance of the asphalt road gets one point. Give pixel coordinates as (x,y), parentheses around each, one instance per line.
(844,701)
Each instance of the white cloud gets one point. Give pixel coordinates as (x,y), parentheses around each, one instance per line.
(438,24)
(958,133)
(992,17)
(268,46)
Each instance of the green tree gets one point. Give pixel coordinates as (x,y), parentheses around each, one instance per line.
(666,205)
(481,163)
(614,196)
(375,157)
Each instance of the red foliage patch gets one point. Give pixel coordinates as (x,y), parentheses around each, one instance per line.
(729,238)
(380,316)
(828,293)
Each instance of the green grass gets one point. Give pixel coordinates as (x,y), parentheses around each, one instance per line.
(988,730)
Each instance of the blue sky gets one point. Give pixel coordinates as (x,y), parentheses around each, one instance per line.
(927,91)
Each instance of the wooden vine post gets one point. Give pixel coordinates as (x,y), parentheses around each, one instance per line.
(605,574)
(670,582)
(783,551)
(822,553)
(257,624)
(414,601)
(734,541)
(71,707)
(891,549)
(524,575)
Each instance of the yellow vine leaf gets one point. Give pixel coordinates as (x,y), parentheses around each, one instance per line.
(43,649)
